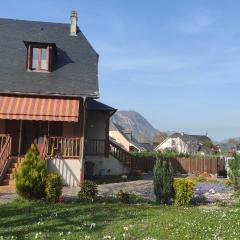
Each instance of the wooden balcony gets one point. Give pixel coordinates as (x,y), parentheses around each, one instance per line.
(61,147)
(71,148)
(96,147)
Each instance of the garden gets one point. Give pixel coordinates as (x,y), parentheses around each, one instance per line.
(165,208)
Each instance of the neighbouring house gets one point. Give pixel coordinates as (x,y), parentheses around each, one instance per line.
(125,139)
(185,143)
(48,92)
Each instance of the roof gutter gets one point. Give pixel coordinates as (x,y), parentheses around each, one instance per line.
(51,94)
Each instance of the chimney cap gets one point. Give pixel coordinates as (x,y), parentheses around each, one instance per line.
(73,13)
(73,25)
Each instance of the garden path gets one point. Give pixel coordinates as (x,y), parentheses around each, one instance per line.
(142,187)
(7,194)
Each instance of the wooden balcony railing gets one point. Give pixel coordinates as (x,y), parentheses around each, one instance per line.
(3,138)
(44,148)
(64,147)
(5,150)
(96,147)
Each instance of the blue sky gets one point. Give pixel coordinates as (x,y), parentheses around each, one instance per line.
(175,62)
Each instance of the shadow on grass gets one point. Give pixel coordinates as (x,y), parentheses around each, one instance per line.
(21,218)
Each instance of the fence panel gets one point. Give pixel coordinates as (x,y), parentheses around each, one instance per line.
(182,165)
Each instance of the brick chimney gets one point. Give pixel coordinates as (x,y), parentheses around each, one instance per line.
(73,24)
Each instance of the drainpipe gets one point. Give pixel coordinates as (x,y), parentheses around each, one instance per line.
(83,140)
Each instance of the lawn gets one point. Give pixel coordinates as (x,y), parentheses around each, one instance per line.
(39,220)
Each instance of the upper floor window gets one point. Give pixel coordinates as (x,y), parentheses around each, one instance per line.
(39,59)
(39,56)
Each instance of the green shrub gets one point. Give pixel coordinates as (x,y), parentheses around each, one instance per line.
(234,172)
(31,177)
(184,190)
(88,191)
(54,187)
(124,197)
(163,181)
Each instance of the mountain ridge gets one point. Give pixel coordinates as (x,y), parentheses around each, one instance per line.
(134,122)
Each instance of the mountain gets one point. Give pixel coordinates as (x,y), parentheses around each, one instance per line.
(135,123)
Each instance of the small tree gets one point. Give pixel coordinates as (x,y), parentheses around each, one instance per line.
(54,185)
(234,171)
(31,177)
(163,181)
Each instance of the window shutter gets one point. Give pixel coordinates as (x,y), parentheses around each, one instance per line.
(29,57)
(50,57)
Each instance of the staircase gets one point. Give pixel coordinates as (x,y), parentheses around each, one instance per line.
(9,177)
(122,155)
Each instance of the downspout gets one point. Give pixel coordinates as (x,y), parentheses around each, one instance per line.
(82,161)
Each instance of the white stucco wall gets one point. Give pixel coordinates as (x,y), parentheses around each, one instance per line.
(68,168)
(179,146)
(102,164)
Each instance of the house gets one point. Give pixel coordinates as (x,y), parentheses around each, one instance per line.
(48,91)
(185,143)
(125,139)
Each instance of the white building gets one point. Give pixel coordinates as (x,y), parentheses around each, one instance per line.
(184,143)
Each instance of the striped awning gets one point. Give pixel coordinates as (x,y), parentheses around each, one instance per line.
(37,108)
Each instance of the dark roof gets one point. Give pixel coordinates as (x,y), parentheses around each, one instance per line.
(75,69)
(191,138)
(94,105)
(148,146)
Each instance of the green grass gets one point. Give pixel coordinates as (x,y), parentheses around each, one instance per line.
(24,220)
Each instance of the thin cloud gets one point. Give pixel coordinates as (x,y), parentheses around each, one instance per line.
(196,23)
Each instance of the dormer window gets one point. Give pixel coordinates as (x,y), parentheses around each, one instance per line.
(39,59)
(39,56)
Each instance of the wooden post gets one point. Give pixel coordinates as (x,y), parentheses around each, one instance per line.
(48,130)
(83,133)
(20,138)
(107,146)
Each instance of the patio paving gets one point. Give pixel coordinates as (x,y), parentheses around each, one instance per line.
(7,194)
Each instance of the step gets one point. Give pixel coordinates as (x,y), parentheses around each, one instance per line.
(8,182)
(9,176)
(15,165)
(16,160)
(11,170)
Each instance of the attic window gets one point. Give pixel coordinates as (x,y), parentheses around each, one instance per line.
(39,59)
(39,56)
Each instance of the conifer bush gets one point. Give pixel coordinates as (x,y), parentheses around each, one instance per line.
(31,177)
(234,172)
(184,190)
(163,181)
(88,191)
(54,185)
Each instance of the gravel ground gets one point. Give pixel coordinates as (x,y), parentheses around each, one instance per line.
(143,187)
(207,193)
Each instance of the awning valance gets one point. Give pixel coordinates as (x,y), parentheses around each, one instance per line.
(39,108)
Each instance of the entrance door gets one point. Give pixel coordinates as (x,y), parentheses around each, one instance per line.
(33,132)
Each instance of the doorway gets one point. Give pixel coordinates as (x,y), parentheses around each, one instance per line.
(33,132)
